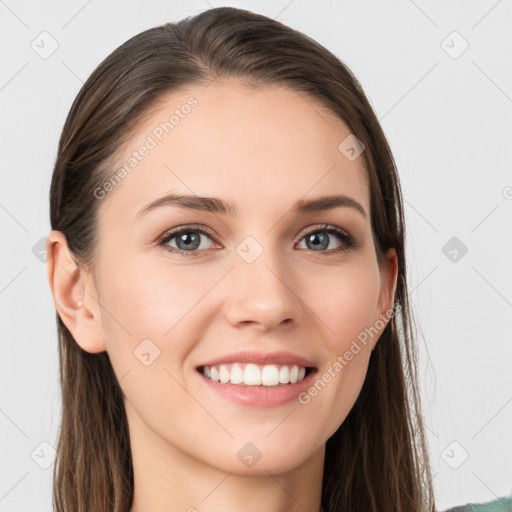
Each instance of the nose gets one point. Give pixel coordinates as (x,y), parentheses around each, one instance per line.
(261,293)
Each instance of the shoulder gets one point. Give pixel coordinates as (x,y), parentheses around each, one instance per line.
(499,505)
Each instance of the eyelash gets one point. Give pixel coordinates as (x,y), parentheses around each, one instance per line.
(348,241)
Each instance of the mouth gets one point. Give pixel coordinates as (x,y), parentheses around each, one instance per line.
(256,375)
(256,386)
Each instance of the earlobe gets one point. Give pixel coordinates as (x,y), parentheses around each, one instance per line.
(74,295)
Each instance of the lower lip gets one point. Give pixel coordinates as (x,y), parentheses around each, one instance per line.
(260,396)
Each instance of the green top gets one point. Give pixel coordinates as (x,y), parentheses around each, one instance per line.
(499,505)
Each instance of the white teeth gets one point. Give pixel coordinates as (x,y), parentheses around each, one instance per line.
(284,375)
(224,374)
(237,374)
(270,375)
(214,373)
(252,375)
(255,375)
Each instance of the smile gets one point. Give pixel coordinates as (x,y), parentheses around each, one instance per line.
(249,374)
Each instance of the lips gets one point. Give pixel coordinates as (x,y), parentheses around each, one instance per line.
(258,396)
(253,395)
(260,358)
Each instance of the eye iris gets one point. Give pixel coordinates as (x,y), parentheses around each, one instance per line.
(314,237)
(185,238)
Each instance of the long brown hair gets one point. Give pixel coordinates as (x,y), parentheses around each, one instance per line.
(377,460)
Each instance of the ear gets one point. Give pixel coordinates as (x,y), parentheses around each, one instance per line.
(74,295)
(388,279)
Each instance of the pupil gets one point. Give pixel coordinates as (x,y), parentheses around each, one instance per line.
(314,239)
(187,236)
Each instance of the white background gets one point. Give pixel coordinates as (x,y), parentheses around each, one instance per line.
(449,123)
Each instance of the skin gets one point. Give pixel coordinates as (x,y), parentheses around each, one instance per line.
(262,150)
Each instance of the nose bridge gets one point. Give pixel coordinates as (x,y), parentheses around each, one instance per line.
(259,291)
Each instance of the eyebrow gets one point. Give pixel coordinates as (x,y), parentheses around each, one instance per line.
(216,205)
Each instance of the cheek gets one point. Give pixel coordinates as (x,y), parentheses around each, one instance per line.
(159,301)
(346,301)
(154,295)
(345,307)
(346,311)
(152,316)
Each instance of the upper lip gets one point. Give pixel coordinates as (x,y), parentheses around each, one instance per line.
(261,358)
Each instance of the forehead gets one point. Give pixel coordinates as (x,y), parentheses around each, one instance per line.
(252,146)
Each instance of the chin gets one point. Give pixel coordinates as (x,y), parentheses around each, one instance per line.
(261,457)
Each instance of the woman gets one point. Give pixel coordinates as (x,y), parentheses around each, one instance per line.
(227,263)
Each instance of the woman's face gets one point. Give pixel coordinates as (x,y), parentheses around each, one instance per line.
(264,277)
